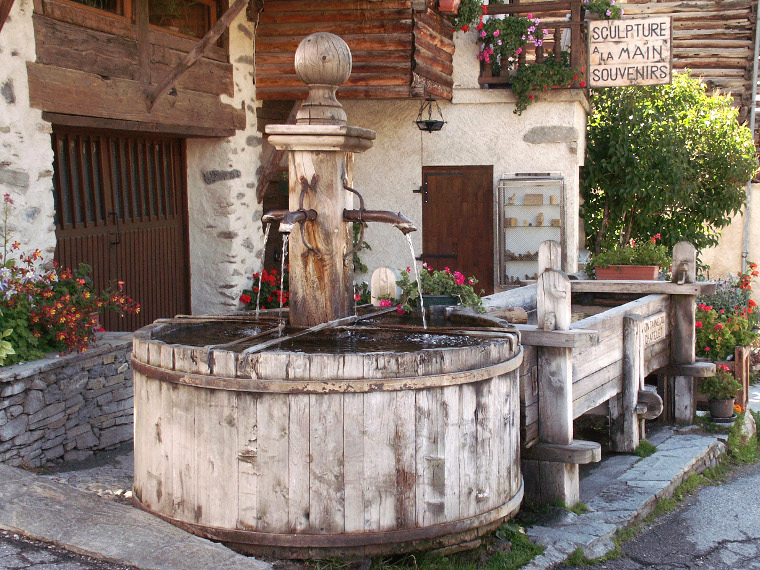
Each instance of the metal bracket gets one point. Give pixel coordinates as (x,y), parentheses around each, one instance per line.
(350,254)
(305,187)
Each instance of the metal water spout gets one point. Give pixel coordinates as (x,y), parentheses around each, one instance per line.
(396,219)
(288,219)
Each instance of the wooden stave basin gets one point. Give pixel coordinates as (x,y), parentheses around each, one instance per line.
(396,452)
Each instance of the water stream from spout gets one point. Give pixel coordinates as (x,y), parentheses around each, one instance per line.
(282,275)
(419,283)
(258,293)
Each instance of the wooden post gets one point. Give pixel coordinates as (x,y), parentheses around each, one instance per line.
(320,158)
(625,429)
(557,481)
(549,256)
(683,335)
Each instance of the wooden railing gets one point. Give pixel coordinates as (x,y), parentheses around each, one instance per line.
(553,17)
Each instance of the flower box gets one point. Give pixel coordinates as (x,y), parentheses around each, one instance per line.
(628,272)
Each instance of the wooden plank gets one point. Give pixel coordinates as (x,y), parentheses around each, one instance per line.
(206,76)
(642,287)
(578,452)
(271,463)
(58,90)
(215,458)
(326,498)
(66,45)
(200,48)
(468,452)
(431,483)
(683,333)
(183,477)
(354,431)
(696,370)
(599,394)
(406,480)
(247,462)
(299,451)
(185,131)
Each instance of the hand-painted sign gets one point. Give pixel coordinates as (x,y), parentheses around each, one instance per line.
(634,51)
(654,328)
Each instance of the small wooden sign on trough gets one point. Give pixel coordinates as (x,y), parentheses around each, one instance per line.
(634,51)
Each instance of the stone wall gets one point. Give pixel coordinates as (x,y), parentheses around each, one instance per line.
(66,408)
(226,240)
(26,154)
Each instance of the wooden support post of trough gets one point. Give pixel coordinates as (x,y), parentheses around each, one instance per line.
(683,335)
(625,430)
(550,481)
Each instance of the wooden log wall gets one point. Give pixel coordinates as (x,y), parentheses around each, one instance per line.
(399,47)
(119,60)
(714,39)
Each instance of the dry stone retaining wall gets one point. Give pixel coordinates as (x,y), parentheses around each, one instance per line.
(65,408)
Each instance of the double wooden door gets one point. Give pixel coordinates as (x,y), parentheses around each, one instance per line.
(457,221)
(121,207)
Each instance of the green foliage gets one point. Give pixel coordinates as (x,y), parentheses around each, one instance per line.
(603,9)
(362,293)
(356,228)
(542,77)
(722,386)
(6,349)
(668,159)
(444,282)
(645,448)
(503,39)
(469,13)
(741,448)
(641,252)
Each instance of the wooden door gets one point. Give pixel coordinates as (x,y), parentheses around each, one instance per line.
(457,221)
(121,208)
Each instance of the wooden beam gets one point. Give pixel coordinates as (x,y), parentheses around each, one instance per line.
(5,9)
(211,36)
(275,157)
(578,452)
(143,40)
(184,131)
(696,370)
(59,90)
(531,335)
(643,287)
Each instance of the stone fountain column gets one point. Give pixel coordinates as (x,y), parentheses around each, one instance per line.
(320,158)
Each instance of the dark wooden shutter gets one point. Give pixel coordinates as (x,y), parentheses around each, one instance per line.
(121,208)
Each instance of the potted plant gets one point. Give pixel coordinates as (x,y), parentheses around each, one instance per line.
(640,260)
(721,390)
(439,287)
(726,327)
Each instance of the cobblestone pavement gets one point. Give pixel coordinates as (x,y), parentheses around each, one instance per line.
(19,552)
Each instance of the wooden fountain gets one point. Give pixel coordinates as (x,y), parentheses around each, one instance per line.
(310,455)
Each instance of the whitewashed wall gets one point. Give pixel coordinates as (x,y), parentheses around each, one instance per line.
(26,154)
(726,258)
(226,243)
(481,129)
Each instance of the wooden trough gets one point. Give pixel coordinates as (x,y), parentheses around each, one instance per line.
(600,363)
(313,455)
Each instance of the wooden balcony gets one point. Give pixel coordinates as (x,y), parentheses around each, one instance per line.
(400,48)
(566,32)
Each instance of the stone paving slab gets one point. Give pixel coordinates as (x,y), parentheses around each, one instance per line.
(624,498)
(57,513)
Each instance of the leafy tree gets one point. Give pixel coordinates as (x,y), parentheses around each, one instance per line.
(669,160)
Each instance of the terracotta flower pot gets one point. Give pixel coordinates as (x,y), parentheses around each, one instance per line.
(721,409)
(449,6)
(629,272)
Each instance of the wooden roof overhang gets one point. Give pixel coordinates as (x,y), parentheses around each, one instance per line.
(400,48)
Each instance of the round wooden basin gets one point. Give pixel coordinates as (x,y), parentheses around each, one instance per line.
(313,455)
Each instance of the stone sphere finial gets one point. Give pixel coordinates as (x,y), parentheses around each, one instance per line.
(323,62)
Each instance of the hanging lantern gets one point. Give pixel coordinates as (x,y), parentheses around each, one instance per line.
(425,120)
